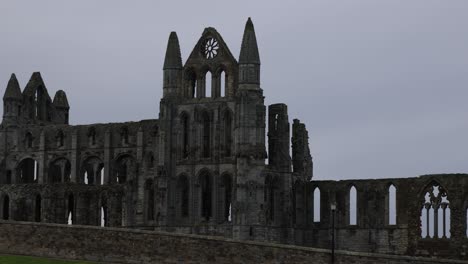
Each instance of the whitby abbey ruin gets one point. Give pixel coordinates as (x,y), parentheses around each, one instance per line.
(216,162)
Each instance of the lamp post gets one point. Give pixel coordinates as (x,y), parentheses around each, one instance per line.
(333,210)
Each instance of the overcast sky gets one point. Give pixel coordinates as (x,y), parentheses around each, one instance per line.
(381,85)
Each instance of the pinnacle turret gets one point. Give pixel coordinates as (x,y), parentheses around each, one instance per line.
(249,49)
(60,100)
(173,59)
(13,90)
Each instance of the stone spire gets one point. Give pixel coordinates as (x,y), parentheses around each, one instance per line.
(249,48)
(173,59)
(249,60)
(13,90)
(172,67)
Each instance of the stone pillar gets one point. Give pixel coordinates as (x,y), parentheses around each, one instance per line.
(74,158)
(42,160)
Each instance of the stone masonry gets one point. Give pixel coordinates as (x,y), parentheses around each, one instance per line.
(202,167)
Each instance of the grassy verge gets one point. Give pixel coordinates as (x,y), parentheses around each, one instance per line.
(7,259)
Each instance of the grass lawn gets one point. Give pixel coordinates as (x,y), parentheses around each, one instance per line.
(7,259)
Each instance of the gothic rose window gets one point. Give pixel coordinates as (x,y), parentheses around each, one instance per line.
(210,48)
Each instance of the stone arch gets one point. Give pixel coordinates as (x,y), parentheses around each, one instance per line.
(191,83)
(227,136)
(60,138)
(206,126)
(71,206)
(91,134)
(221,81)
(435,205)
(124,169)
(316,204)
(28,139)
(391,203)
(184,118)
(92,171)
(352,202)
(27,171)
(59,170)
(205,183)
(225,196)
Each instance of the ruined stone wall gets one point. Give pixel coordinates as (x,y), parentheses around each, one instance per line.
(373,232)
(132,246)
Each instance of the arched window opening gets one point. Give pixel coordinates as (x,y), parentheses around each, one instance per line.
(71,209)
(60,138)
(192,84)
(150,200)
(29,140)
(228,133)
(317,204)
(6,208)
(353,206)
(206,127)
(208,84)
(150,160)
(60,171)
(185,135)
(104,217)
(8,177)
(276,122)
(206,195)
(124,135)
(28,170)
(222,80)
(92,171)
(92,136)
(38,210)
(435,213)
(227,185)
(125,169)
(183,187)
(392,211)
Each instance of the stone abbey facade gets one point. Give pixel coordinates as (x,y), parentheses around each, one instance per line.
(202,167)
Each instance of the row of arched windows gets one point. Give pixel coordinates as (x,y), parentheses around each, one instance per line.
(435,216)
(208,85)
(92,170)
(206,134)
(202,196)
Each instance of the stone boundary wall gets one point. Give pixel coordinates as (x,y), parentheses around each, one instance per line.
(137,246)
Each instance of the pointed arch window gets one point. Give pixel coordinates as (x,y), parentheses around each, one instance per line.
(222,81)
(60,137)
(206,196)
(206,132)
(435,213)
(92,136)
(353,209)
(208,84)
(150,200)
(227,196)
(185,135)
(317,205)
(29,140)
(228,133)
(392,209)
(71,210)
(124,135)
